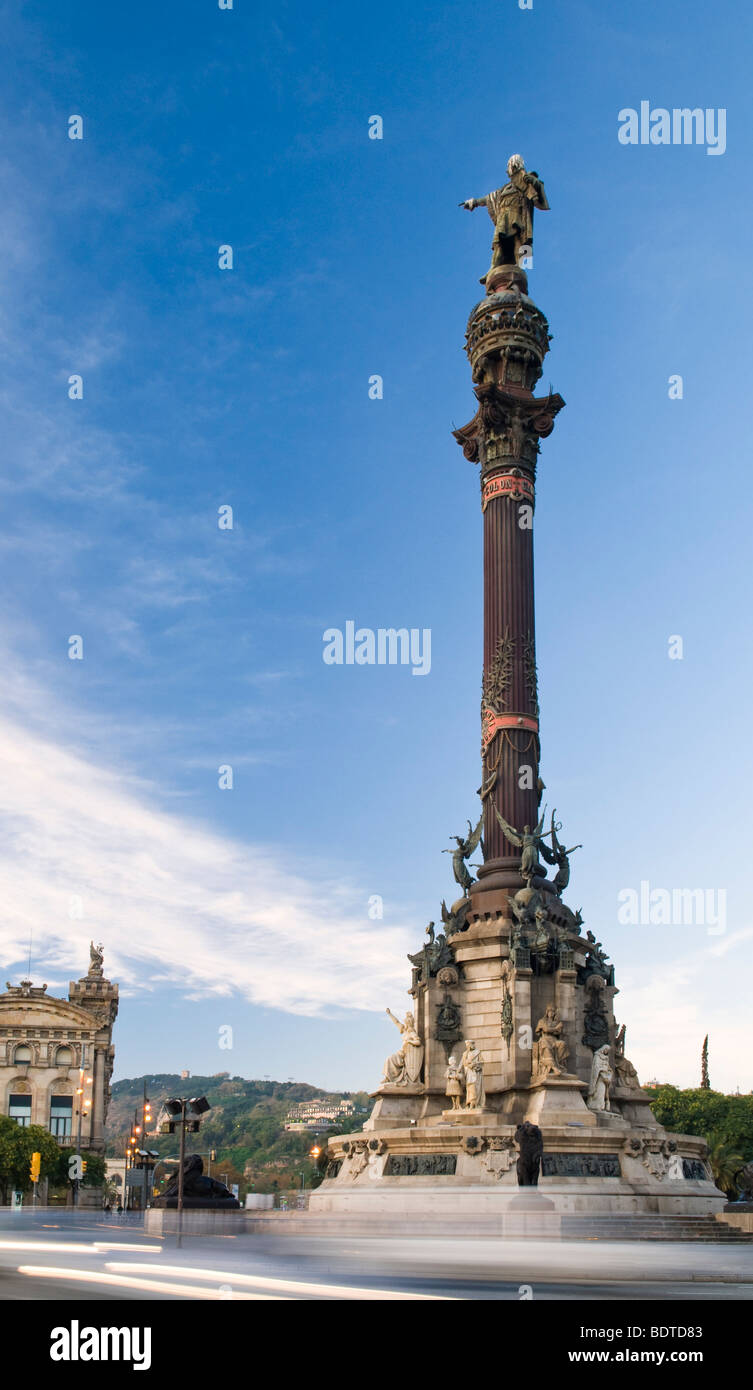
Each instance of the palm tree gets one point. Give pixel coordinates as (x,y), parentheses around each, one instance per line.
(725,1162)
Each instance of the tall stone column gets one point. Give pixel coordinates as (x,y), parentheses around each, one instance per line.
(513,972)
(97,1121)
(506,342)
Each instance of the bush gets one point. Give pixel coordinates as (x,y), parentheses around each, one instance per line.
(728,1118)
(17,1144)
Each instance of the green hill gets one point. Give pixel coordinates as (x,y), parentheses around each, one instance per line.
(245,1126)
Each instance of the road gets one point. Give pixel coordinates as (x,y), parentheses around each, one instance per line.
(86,1256)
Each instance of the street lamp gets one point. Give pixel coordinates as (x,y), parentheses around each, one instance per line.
(186,1113)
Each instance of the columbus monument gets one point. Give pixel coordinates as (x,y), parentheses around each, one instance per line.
(509,1081)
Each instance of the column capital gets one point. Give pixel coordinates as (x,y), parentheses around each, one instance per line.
(503,436)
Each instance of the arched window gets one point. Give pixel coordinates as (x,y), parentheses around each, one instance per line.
(64,1057)
(23,1053)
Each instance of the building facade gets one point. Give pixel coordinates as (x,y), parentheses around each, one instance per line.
(309,1114)
(56,1056)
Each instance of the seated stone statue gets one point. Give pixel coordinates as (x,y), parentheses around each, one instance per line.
(403,1068)
(199,1193)
(551,1051)
(627,1076)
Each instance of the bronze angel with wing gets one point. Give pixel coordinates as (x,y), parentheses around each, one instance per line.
(527,841)
(465,848)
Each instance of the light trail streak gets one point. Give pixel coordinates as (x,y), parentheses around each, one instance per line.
(291,1286)
(70,1247)
(144,1285)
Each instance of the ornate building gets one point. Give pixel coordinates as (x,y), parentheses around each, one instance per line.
(56,1056)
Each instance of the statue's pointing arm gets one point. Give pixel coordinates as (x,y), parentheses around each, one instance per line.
(471,203)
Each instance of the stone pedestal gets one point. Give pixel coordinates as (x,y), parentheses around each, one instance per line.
(396,1105)
(162,1222)
(557,1100)
(635,1106)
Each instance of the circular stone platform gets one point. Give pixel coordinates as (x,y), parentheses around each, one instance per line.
(446,1169)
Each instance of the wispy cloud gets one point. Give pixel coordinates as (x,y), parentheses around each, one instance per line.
(730,943)
(174,903)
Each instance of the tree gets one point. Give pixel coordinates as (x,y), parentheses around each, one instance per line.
(7,1153)
(705,1083)
(225,1170)
(95,1169)
(725,1163)
(17,1144)
(705,1112)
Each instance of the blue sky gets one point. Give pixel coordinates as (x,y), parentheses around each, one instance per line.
(249,388)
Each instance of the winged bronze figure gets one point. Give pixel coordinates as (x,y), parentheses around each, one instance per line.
(527,841)
(455,920)
(465,848)
(558,855)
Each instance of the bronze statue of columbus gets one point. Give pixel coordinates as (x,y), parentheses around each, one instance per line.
(511,211)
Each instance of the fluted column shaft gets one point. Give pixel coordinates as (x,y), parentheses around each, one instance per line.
(509,635)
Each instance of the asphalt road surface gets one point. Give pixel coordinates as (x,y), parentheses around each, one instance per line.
(50,1254)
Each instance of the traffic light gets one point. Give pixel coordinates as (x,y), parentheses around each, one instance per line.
(36,1163)
(83,1165)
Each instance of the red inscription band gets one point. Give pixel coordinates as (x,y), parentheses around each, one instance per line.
(491,723)
(507,485)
